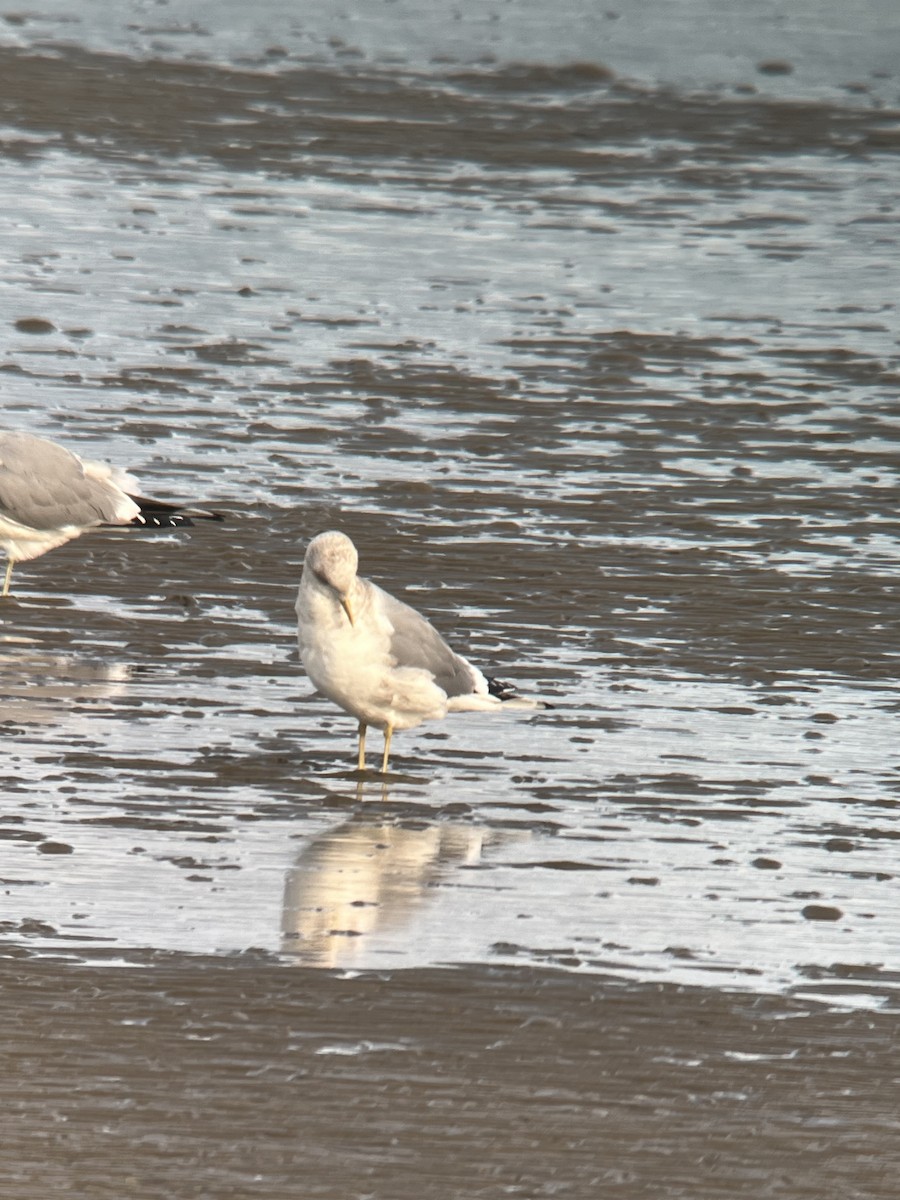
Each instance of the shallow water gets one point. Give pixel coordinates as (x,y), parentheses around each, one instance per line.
(597,365)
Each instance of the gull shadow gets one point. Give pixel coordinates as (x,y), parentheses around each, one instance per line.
(43,688)
(363,882)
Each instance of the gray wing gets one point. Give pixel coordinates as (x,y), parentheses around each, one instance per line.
(43,486)
(416,643)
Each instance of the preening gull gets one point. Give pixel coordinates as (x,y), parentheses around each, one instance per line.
(49,496)
(376,657)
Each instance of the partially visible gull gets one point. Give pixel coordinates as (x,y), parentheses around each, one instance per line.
(49,496)
(376,657)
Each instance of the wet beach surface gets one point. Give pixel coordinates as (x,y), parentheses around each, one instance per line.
(594,355)
(209,1079)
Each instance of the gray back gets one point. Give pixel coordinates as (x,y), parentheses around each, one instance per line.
(43,486)
(416,643)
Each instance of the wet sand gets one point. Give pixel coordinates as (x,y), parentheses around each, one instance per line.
(211,1078)
(583,326)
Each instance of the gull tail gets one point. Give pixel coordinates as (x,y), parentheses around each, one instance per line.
(508,694)
(160,514)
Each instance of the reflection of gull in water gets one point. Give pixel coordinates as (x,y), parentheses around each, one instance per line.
(376,657)
(37,688)
(366,878)
(49,496)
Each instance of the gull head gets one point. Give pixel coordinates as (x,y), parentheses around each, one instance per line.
(331,557)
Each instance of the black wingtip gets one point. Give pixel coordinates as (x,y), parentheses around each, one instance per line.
(161,514)
(507,691)
(502,690)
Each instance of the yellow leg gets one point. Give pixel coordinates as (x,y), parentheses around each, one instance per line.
(388,730)
(9,567)
(361,761)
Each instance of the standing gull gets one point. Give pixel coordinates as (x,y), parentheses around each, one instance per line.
(49,496)
(376,657)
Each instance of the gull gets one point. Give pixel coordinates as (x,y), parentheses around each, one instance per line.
(48,496)
(375,657)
